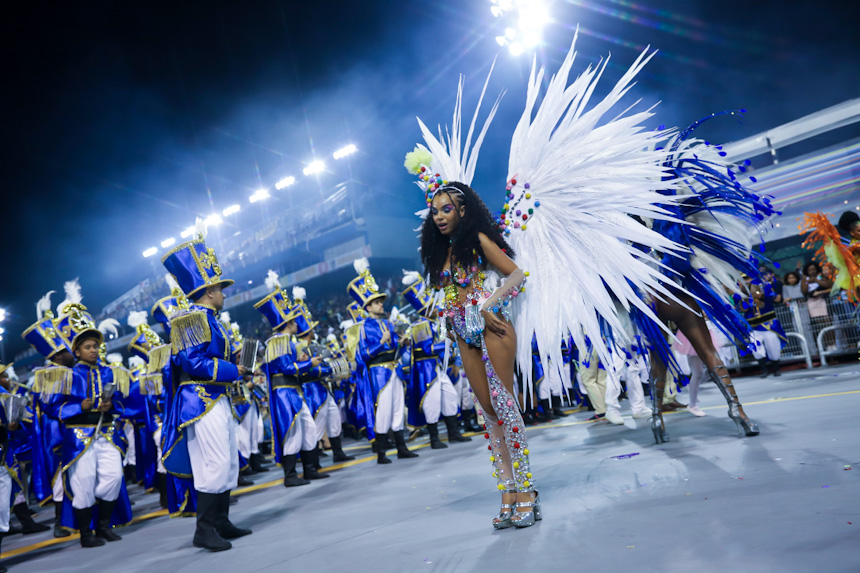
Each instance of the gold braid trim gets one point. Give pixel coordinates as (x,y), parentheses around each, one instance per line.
(121,378)
(352,335)
(53,380)
(188,330)
(277,346)
(421,331)
(158,358)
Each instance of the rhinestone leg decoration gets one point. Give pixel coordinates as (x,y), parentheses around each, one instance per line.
(746,427)
(508,442)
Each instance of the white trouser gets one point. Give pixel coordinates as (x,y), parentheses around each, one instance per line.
(328,420)
(566,378)
(552,383)
(96,475)
(698,373)
(302,435)
(766,343)
(156,436)
(5,495)
(631,369)
(464,391)
(441,399)
(390,406)
(57,486)
(213,451)
(131,451)
(250,432)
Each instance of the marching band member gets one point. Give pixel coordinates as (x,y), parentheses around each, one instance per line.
(377,347)
(430,394)
(293,427)
(200,433)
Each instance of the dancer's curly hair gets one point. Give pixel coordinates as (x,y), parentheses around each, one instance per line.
(464,243)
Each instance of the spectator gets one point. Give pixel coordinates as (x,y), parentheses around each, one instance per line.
(791,290)
(814,284)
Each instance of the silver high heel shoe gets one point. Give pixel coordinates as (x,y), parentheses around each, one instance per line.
(505,517)
(527,519)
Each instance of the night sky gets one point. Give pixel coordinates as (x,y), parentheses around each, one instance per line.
(125,120)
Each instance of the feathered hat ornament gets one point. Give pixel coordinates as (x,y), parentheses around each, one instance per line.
(361,266)
(345,324)
(273,281)
(174,287)
(73,295)
(299,294)
(135,362)
(109,326)
(10,372)
(43,306)
(224,318)
(137,318)
(114,358)
(200,229)
(411,277)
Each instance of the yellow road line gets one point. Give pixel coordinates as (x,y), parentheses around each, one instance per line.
(339,466)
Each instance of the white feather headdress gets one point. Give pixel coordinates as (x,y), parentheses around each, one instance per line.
(136,362)
(43,305)
(273,282)
(299,293)
(410,277)
(137,318)
(109,326)
(361,265)
(224,317)
(345,324)
(114,358)
(171,283)
(73,295)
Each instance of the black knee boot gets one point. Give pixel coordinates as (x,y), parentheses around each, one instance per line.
(104,529)
(88,538)
(222,520)
(774,369)
(765,367)
(454,434)
(435,442)
(381,445)
(22,512)
(162,490)
(556,407)
(470,421)
(59,530)
(206,536)
(256,462)
(291,477)
(402,451)
(545,414)
(310,463)
(337,450)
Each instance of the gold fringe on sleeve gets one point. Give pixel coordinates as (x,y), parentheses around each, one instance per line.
(421,331)
(151,384)
(121,378)
(277,346)
(53,380)
(158,358)
(353,333)
(188,330)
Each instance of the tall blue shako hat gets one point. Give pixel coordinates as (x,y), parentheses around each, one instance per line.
(305,320)
(75,322)
(356,313)
(194,266)
(416,294)
(168,306)
(43,334)
(276,306)
(146,344)
(363,288)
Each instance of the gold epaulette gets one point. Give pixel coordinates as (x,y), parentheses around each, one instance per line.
(353,333)
(121,378)
(151,384)
(189,329)
(158,358)
(277,346)
(421,331)
(53,380)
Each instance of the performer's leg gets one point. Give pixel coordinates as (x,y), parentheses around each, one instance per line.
(309,452)
(697,375)
(212,449)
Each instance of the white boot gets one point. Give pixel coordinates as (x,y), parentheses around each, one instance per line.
(614,416)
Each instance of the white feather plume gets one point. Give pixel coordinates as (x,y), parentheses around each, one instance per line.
(410,277)
(171,282)
(395,314)
(590,173)
(234,327)
(44,305)
(345,324)
(10,372)
(273,282)
(73,295)
(200,228)
(114,358)
(137,318)
(109,326)
(331,338)
(224,317)
(136,362)
(361,265)
(299,293)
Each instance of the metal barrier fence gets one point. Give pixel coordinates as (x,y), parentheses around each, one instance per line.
(830,327)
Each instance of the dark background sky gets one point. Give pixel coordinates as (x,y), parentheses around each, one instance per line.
(125,120)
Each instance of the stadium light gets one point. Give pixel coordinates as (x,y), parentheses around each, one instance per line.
(2,330)
(259,195)
(526,18)
(344,151)
(150,251)
(187,232)
(285,182)
(230,210)
(167,242)
(2,314)
(314,167)
(213,220)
